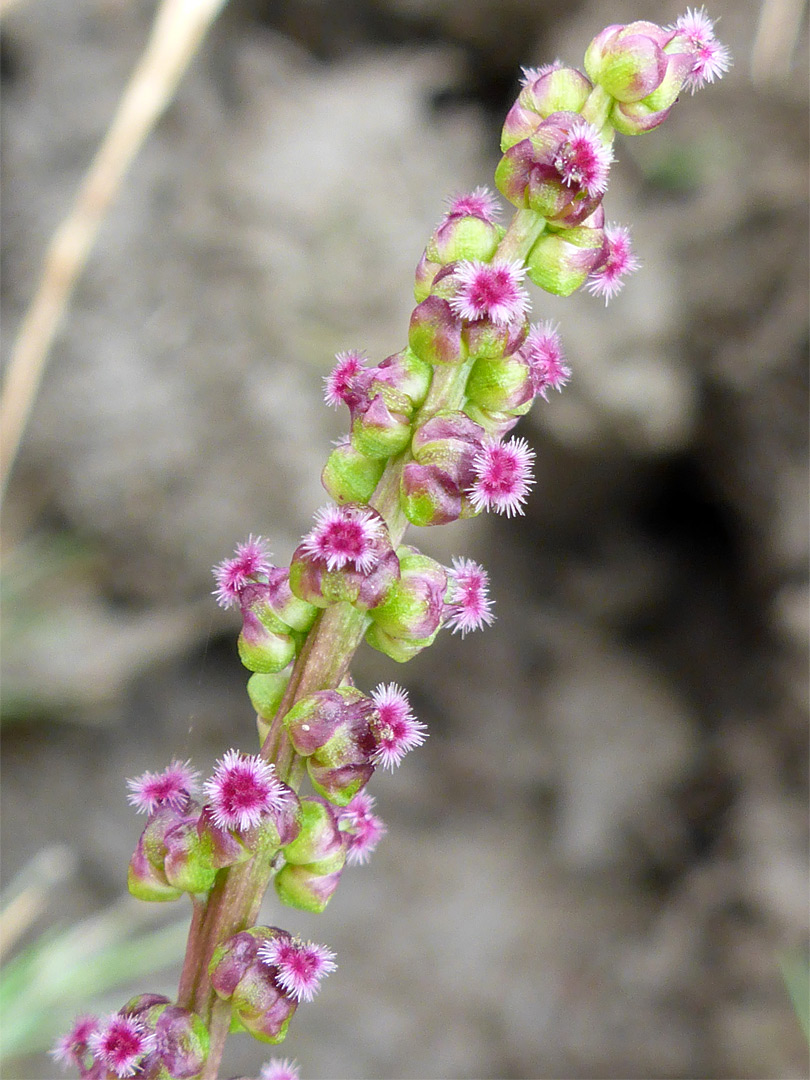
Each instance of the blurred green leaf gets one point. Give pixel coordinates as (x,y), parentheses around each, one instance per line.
(796,973)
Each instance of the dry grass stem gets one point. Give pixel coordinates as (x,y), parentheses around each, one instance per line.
(178,30)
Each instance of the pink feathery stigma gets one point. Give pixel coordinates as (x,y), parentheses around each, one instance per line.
(343,535)
(544,354)
(502,476)
(243,790)
(480,203)
(362,828)
(301,965)
(250,562)
(279,1069)
(172,787)
(71,1048)
(532,74)
(396,729)
(583,159)
(339,384)
(608,279)
(490,290)
(470,606)
(120,1043)
(712,58)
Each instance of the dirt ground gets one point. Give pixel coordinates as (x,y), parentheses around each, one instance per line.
(599,859)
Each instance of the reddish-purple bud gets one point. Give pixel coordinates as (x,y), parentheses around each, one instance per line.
(432,485)
(485,338)
(282,601)
(378,431)
(494,423)
(226,848)
(349,476)
(428,495)
(146,878)
(332,730)
(435,333)
(314,860)
(181,1043)
(464,236)
(561,261)
(501,384)
(238,973)
(425,273)
(554,89)
(261,649)
(309,887)
(413,610)
(408,375)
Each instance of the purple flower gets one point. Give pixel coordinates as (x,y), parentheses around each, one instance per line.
(120,1043)
(243,790)
(250,563)
(279,1069)
(469,606)
(344,535)
(583,159)
(172,787)
(490,291)
(480,203)
(503,476)
(712,58)
(363,829)
(73,1048)
(300,965)
(607,279)
(543,351)
(396,729)
(341,384)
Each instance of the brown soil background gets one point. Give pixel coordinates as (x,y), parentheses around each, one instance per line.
(596,861)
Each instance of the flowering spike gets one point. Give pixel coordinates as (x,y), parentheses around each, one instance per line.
(243,790)
(490,290)
(363,829)
(397,729)
(503,476)
(340,385)
(280,1069)
(172,787)
(344,535)
(583,159)
(544,352)
(469,607)
(712,58)
(73,1048)
(301,965)
(480,203)
(120,1043)
(250,562)
(608,279)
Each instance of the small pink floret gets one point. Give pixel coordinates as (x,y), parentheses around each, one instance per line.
(397,730)
(120,1043)
(250,562)
(172,787)
(490,291)
(532,74)
(712,58)
(503,476)
(243,791)
(301,965)
(363,829)
(279,1069)
(344,535)
(543,351)
(584,160)
(608,279)
(480,203)
(470,606)
(339,383)
(72,1048)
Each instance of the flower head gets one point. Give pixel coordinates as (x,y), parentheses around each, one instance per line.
(120,1043)
(502,476)
(608,278)
(490,290)
(250,562)
(397,729)
(344,535)
(340,383)
(480,203)
(583,160)
(712,58)
(243,790)
(363,829)
(172,787)
(469,606)
(301,965)
(279,1069)
(544,352)
(73,1047)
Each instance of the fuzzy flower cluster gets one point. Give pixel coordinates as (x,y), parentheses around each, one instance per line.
(428,443)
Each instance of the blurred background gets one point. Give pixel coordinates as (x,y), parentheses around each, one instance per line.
(597,865)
